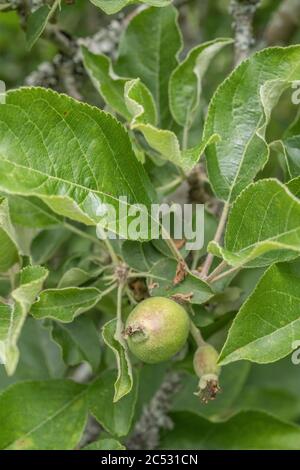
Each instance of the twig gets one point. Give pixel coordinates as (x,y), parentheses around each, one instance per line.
(175,251)
(109,246)
(9,5)
(218,270)
(66,71)
(120,326)
(243,12)
(209,259)
(225,274)
(196,334)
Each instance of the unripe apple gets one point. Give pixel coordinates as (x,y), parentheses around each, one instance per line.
(156,329)
(207,369)
(205,360)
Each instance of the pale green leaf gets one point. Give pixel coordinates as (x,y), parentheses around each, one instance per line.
(13,318)
(116,418)
(9,253)
(37,22)
(239,113)
(165,142)
(48,415)
(148,50)
(186,80)
(5,315)
(72,156)
(65,304)
(268,323)
(107,83)
(139,102)
(263,226)
(124,381)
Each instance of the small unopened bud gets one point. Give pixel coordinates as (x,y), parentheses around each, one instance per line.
(208,371)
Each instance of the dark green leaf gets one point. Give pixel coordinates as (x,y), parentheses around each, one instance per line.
(47,415)
(116,418)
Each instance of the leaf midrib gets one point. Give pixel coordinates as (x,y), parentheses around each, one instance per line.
(276,330)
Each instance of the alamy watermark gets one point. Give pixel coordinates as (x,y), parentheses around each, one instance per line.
(296,352)
(296,92)
(139,222)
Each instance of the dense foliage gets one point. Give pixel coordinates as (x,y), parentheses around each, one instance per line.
(126,343)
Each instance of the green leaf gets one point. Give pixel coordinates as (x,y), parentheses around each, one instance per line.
(107,83)
(165,143)
(263,226)
(139,256)
(263,391)
(32,213)
(65,304)
(278,402)
(239,113)
(294,186)
(12,317)
(40,357)
(105,444)
(148,50)
(37,22)
(139,102)
(116,418)
(47,415)
(186,80)
(76,276)
(268,322)
(124,382)
(290,149)
(164,175)
(9,254)
(38,158)
(129,98)
(47,243)
(133,100)
(247,430)
(113,6)
(79,341)
(162,276)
